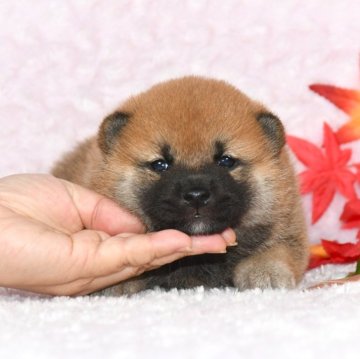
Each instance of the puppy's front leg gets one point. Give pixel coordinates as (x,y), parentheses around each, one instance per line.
(273,268)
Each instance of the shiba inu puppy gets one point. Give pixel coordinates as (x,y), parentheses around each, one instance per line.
(199,156)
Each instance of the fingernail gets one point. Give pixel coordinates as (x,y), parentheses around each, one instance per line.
(229,236)
(211,252)
(233,244)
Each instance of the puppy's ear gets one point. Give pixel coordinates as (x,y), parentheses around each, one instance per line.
(273,129)
(110,129)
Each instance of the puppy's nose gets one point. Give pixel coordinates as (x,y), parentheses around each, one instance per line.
(197,197)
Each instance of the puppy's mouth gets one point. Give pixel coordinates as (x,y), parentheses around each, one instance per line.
(194,221)
(201,228)
(200,224)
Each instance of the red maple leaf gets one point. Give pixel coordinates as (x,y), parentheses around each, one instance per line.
(347,101)
(331,252)
(357,168)
(351,214)
(327,171)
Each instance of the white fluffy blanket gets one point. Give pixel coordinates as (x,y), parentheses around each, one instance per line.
(65,64)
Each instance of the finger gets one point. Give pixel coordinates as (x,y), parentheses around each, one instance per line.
(138,250)
(170,245)
(115,259)
(229,237)
(141,249)
(208,244)
(100,213)
(215,243)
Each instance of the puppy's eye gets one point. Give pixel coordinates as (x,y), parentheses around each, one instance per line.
(159,165)
(226,161)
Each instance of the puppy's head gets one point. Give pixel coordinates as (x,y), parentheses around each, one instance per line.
(191,154)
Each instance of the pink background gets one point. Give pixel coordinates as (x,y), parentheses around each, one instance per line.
(65,64)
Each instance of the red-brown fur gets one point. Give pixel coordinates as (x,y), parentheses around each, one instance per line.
(190,114)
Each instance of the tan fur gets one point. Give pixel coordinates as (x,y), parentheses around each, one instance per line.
(190,114)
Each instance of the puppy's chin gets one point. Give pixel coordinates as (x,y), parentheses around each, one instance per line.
(198,226)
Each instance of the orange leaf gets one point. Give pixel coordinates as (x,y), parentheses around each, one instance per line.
(345,99)
(348,101)
(350,131)
(318,250)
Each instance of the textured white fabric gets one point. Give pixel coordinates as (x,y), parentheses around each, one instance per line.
(65,64)
(186,324)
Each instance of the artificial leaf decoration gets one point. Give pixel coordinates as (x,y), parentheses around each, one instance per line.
(318,256)
(327,172)
(349,102)
(331,252)
(350,278)
(357,167)
(351,214)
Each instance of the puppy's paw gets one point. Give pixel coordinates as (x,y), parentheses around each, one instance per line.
(263,274)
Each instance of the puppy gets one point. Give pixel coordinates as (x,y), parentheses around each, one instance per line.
(199,156)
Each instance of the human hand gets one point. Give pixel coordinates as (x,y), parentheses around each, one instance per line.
(61,239)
